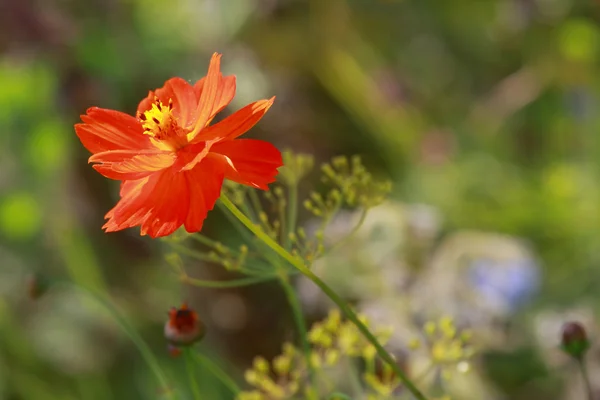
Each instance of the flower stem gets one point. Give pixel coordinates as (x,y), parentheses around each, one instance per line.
(217,372)
(124,324)
(300,323)
(586,378)
(359,224)
(226,284)
(292,214)
(351,315)
(191,370)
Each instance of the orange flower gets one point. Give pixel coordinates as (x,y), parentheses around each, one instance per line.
(170,160)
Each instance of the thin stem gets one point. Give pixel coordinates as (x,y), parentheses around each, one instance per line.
(255,201)
(370,365)
(191,370)
(130,331)
(208,242)
(226,284)
(217,372)
(294,302)
(236,223)
(205,257)
(292,214)
(191,253)
(339,396)
(299,264)
(586,378)
(359,224)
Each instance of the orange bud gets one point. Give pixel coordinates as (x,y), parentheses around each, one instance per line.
(183,328)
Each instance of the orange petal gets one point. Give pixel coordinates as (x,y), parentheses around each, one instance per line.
(237,123)
(247,161)
(204,183)
(183,95)
(133,208)
(227,92)
(215,93)
(131,164)
(105,130)
(158,203)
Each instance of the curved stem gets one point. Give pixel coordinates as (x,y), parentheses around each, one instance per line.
(191,371)
(351,315)
(226,284)
(130,331)
(217,372)
(359,224)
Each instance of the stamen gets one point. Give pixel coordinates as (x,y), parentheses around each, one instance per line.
(159,123)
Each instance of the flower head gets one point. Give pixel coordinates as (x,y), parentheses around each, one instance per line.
(183,327)
(170,160)
(574,339)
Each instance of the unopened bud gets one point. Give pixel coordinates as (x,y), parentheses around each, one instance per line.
(574,339)
(37,285)
(183,328)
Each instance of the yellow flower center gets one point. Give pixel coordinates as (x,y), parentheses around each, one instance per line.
(160,124)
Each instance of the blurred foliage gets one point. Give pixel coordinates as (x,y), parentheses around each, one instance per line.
(485,110)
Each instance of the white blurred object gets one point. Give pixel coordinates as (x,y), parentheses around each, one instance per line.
(371,264)
(477,277)
(73,332)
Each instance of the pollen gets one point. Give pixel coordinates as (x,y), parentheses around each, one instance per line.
(158,121)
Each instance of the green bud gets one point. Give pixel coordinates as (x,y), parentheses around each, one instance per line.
(574,339)
(37,285)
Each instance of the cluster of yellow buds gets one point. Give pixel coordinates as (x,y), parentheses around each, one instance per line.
(334,340)
(351,184)
(295,167)
(448,348)
(334,337)
(280,379)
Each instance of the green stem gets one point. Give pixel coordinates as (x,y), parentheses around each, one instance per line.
(359,224)
(191,370)
(130,331)
(586,378)
(205,257)
(294,302)
(339,396)
(292,214)
(226,284)
(213,244)
(218,373)
(351,315)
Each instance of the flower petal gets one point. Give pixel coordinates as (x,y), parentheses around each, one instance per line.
(183,95)
(215,91)
(133,208)
(227,92)
(204,183)
(158,203)
(237,123)
(105,130)
(131,164)
(247,161)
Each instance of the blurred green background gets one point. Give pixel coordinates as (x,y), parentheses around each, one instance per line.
(485,110)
